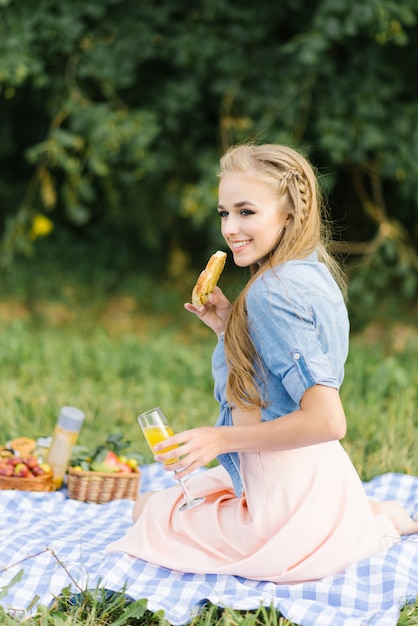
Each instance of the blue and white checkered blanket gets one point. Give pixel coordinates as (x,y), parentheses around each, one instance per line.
(51,539)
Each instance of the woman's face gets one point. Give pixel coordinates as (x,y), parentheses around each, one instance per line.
(252,217)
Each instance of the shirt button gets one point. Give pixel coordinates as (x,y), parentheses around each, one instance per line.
(296,356)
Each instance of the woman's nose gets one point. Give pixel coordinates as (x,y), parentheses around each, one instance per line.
(230,226)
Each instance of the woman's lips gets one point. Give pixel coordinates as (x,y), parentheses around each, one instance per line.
(236,246)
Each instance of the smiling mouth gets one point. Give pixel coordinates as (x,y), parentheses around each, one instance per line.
(235,245)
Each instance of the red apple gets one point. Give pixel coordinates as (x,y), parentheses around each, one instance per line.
(6,470)
(15,460)
(32,462)
(38,471)
(21,470)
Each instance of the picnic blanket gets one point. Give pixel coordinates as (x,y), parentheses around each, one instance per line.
(50,539)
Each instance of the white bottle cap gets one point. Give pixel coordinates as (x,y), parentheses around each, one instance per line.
(71,418)
(43,442)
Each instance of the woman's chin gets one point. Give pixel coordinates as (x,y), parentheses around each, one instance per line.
(241,262)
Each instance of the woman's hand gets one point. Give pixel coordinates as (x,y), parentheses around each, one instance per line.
(214,313)
(197,447)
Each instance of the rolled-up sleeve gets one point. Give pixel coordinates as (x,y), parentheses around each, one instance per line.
(293,346)
(307,371)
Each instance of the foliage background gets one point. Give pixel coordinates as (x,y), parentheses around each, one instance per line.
(114,114)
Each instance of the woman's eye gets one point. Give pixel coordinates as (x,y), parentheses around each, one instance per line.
(222,213)
(246,212)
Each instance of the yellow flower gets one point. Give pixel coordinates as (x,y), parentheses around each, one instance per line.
(41,226)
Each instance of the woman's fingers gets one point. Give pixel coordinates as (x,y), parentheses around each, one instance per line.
(214,313)
(196,448)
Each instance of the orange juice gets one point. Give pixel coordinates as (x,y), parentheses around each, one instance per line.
(155,434)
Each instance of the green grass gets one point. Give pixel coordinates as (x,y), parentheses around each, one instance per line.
(116,360)
(115,357)
(380,396)
(113,366)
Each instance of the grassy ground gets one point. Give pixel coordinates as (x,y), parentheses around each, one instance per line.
(117,356)
(114,360)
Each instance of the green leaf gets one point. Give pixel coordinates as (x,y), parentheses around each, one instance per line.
(16,579)
(135,610)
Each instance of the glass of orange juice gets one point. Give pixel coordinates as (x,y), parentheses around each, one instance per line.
(156,428)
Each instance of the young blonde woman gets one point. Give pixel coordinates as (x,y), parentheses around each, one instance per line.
(285,504)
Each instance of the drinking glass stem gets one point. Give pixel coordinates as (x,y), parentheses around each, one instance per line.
(186,493)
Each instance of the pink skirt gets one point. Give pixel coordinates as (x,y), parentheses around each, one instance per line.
(304,515)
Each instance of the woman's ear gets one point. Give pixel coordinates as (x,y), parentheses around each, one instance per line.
(288,220)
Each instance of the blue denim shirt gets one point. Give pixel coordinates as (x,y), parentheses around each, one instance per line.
(299,326)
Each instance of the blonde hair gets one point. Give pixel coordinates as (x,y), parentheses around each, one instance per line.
(293,178)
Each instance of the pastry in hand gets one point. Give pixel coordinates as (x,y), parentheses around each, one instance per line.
(208,279)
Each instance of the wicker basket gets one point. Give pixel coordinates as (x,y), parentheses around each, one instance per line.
(101,487)
(33,483)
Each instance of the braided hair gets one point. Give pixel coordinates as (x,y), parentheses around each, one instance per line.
(292,177)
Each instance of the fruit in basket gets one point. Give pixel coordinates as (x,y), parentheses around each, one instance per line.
(21,470)
(112,463)
(117,462)
(41,469)
(18,467)
(6,469)
(109,457)
(102,467)
(32,462)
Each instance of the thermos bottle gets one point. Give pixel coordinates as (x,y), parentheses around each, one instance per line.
(65,436)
